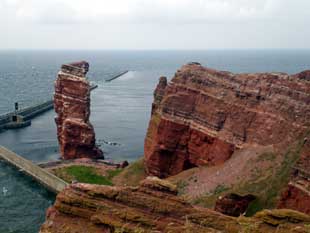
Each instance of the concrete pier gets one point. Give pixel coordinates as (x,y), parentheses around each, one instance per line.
(47,179)
(22,118)
(31,112)
(117,76)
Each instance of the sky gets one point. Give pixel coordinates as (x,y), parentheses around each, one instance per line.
(154,24)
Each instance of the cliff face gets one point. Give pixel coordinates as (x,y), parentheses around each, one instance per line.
(297,194)
(75,133)
(203,115)
(152,207)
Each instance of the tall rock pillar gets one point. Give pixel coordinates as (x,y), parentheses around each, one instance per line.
(75,133)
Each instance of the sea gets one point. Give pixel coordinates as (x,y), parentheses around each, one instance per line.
(120,109)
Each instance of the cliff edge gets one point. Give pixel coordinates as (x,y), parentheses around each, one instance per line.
(202,116)
(153,207)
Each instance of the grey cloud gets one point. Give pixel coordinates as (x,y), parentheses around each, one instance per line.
(150,24)
(159,11)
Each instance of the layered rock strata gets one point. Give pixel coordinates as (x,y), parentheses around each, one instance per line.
(203,115)
(75,133)
(297,194)
(153,207)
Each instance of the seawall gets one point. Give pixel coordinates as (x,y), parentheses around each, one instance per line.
(117,76)
(50,181)
(26,114)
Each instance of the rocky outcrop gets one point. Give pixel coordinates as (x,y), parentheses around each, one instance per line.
(233,204)
(203,115)
(153,207)
(75,133)
(297,194)
(297,197)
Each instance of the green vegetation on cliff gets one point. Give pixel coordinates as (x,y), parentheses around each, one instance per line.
(271,186)
(131,175)
(86,174)
(264,182)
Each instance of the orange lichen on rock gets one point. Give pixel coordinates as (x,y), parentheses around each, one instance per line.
(152,207)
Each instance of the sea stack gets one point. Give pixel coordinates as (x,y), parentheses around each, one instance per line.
(75,133)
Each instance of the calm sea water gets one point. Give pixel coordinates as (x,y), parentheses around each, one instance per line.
(120,109)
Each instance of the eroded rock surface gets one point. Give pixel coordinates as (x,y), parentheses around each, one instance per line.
(152,207)
(75,133)
(233,204)
(203,115)
(297,194)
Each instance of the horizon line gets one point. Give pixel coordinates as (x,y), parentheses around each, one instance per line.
(170,49)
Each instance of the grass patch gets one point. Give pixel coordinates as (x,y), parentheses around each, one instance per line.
(220,189)
(208,200)
(266,184)
(254,207)
(181,186)
(113,173)
(86,174)
(268,188)
(269,156)
(131,175)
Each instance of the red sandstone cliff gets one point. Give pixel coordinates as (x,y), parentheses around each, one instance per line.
(203,115)
(75,133)
(153,207)
(297,194)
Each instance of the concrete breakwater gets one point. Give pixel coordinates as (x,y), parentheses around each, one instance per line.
(50,181)
(117,76)
(22,118)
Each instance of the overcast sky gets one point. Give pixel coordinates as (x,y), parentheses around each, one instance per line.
(154,24)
